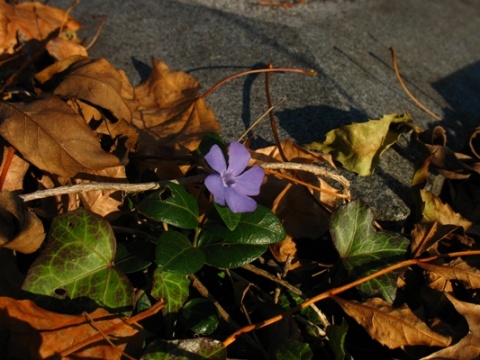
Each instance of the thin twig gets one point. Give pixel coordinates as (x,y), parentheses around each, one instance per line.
(97,33)
(255,123)
(410,95)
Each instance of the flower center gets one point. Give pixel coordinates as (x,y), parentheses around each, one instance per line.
(228,178)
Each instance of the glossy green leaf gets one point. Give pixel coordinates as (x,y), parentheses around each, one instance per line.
(364,250)
(226,255)
(230,218)
(172,287)
(294,350)
(78,263)
(173,205)
(200,316)
(336,340)
(260,227)
(359,146)
(186,349)
(134,256)
(175,253)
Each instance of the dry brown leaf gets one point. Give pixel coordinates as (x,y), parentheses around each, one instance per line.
(469,347)
(284,250)
(16,171)
(20,228)
(301,210)
(171,117)
(106,202)
(440,276)
(391,326)
(99,83)
(52,137)
(64,47)
(425,237)
(35,333)
(30,20)
(435,210)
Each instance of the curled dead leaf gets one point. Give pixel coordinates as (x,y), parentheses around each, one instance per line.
(435,210)
(20,228)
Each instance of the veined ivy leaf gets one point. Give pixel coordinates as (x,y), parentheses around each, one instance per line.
(200,315)
(173,205)
(175,253)
(172,287)
(77,262)
(364,250)
(359,146)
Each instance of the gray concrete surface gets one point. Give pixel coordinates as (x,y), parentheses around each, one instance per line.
(345,41)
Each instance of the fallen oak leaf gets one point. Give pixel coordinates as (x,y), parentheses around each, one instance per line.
(38,131)
(171,116)
(393,327)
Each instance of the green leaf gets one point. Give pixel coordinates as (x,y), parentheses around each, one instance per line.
(359,146)
(134,256)
(230,218)
(260,227)
(172,287)
(186,349)
(364,250)
(225,255)
(336,336)
(78,263)
(294,350)
(173,205)
(175,253)
(200,316)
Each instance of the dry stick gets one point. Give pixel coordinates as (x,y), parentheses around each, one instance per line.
(129,321)
(310,186)
(410,95)
(273,123)
(132,188)
(341,289)
(6,166)
(255,123)
(97,33)
(256,71)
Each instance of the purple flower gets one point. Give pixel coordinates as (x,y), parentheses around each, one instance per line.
(233,185)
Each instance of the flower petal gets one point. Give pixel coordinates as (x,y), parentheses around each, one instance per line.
(250,181)
(216,159)
(215,185)
(238,158)
(239,203)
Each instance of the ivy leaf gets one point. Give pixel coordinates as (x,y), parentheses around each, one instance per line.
(77,263)
(173,205)
(175,253)
(359,146)
(172,287)
(336,336)
(134,256)
(364,250)
(294,350)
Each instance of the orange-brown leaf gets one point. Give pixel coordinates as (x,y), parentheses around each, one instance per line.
(51,136)
(20,228)
(30,20)
(435,210)
(391,326)
(469,347)
(171,117)
(37,333)
(16,171)
(440,276)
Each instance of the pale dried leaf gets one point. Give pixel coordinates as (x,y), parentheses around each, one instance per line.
(436,210)
(440,276)
(391,326)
